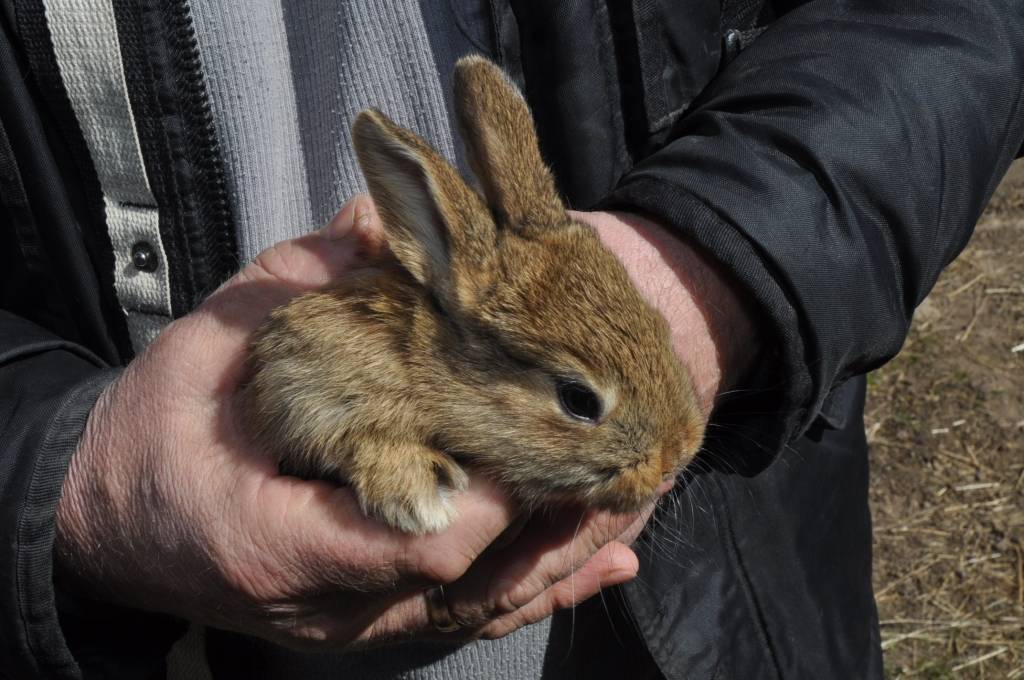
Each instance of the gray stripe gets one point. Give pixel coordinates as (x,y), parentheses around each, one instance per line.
(285,82)
(248,71)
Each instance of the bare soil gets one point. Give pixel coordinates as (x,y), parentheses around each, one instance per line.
(945,420)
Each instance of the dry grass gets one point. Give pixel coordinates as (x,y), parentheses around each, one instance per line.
(946,425)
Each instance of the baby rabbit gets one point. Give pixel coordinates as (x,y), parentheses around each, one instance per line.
(498,334)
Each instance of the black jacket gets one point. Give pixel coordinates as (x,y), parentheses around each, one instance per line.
(834,162)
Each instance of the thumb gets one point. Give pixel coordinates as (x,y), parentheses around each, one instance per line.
(287,270)
(314,260)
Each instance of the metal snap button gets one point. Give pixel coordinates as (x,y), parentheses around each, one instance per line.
(732,43)
(144,257)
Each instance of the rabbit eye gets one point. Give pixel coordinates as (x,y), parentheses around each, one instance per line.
(579,401)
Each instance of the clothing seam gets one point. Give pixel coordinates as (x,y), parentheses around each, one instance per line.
(753,602)
(609,71)
(651,89)
(52,432)
(460,23)
(50,346)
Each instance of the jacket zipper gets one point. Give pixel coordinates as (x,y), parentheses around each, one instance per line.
(215,233)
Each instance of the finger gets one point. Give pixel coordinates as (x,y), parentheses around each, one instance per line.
(408,617)
(314,260)
(318,541)
(633,531)
(358,218)
(321,531)
(547,551)
(612,565)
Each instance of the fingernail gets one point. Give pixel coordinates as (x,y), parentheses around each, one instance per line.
(620,576)
(341,224)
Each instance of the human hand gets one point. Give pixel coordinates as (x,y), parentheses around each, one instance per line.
(713,326)
(167,507)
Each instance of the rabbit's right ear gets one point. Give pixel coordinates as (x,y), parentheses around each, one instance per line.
(435,224)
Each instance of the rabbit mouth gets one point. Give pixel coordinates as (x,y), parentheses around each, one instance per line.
(626,488)
(631,487)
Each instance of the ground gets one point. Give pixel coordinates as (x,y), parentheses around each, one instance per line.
(945,420)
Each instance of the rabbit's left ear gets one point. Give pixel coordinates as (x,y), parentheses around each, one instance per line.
(434,223)
(501,144)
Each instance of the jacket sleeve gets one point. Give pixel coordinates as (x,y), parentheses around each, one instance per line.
(835,167)
(47,388)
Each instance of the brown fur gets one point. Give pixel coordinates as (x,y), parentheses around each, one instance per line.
(404,370)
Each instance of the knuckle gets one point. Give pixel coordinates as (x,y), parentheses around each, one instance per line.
(505,598)
(508,596)
(263,265)
(436,567)
(593,541)
(505,603)
(565,598)
(277,263)
(438,573)
(604,527)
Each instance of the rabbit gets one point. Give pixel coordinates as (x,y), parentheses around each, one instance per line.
(495,332)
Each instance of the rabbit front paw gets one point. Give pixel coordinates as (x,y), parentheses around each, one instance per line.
(410,487)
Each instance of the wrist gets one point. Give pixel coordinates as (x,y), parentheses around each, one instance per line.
(96,553)
(712,324)
(75,556)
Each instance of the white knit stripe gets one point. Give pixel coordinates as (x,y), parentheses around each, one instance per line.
(137,290)
(85,43)
(144,328)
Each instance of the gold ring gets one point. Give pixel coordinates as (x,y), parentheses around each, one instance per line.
(437,610)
